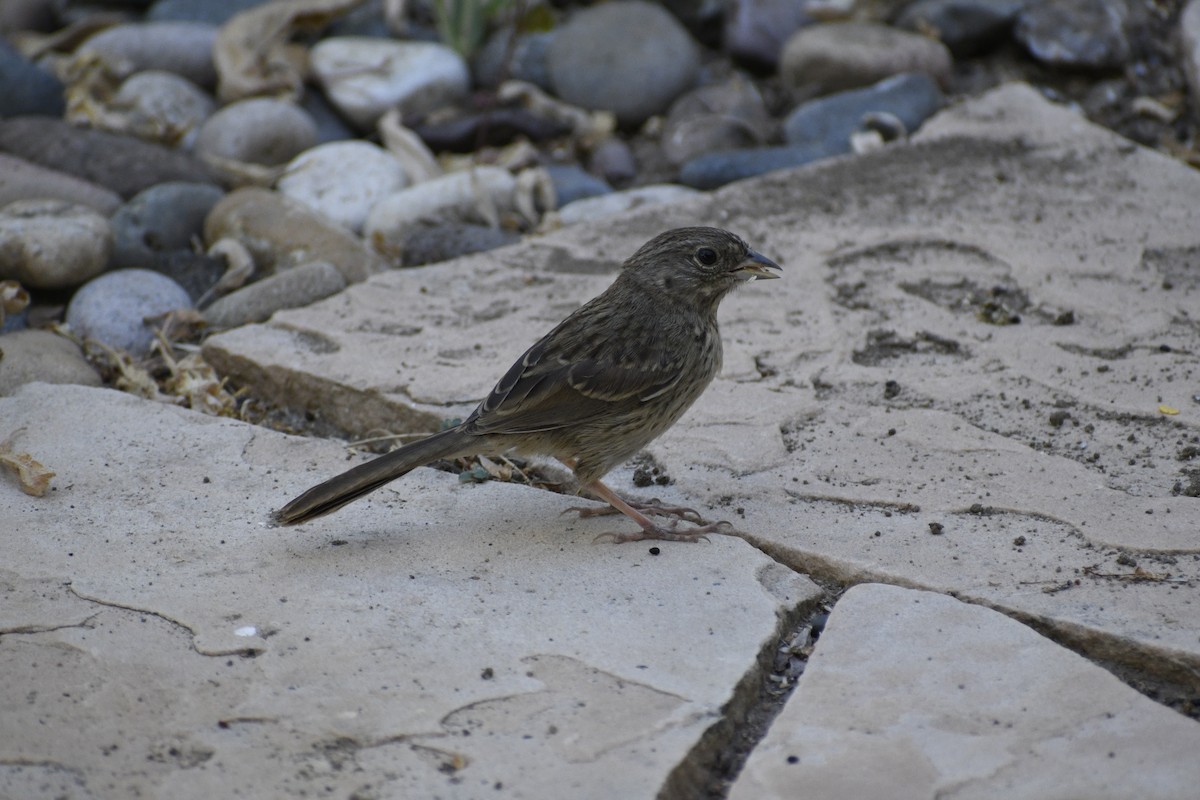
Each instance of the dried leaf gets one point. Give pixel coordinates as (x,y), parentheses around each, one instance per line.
(32,477)
(254,53)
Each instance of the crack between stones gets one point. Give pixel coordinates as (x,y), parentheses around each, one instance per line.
(709,769)
(241,651)
(1174,683)
(26,630)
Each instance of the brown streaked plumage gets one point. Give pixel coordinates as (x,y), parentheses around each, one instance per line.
(597,388)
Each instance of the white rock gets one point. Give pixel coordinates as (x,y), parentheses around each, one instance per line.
(480,194)
(52,244)
(343,180)
(365,77)
(605,205)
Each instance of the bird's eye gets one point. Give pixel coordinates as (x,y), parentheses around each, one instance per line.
(706,256)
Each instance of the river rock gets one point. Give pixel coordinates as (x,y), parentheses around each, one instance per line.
(573,183)
(281,233)
(829,121)
(122,163)
(114,307)
(606,205)
(846,55)
(164,106)
(289,288)
(1076,34)
(260,130)
(163,219)
(712,170)
(343,180)
(500,59)
(52,244)
(967,27)
(481,194)
(26,88)
(720,116)
(37,355)
(429,244)
(21,180)
(206,11)
(756,30)
(625,56)
(364,77)
(184,48)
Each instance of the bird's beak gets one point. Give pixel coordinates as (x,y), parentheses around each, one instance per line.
(756,267)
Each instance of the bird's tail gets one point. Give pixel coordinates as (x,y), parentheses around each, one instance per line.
(352,484)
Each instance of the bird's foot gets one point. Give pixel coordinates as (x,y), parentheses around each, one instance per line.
(667,534)
(652,507)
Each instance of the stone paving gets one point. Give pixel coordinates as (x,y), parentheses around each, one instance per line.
(977,378)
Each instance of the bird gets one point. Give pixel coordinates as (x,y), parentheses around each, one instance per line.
(601,385)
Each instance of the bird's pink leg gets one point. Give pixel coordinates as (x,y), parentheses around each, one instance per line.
(649,529)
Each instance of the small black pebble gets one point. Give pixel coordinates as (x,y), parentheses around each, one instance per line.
(654,551)
(890,390)
(1019,541)
(793,759)
(937,528)
(488,673)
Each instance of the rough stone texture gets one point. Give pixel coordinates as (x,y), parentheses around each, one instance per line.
(985,709)
(125,164)
(1040,448)
(37,355)
(159,640)
(297,286)
(22,180)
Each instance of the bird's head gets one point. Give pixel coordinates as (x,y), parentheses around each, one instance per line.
(703,264)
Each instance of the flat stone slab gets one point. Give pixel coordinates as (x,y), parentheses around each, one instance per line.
(977,376)
(158,639)
(914,695)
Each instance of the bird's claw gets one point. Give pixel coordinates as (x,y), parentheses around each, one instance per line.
(653,507)
(668,534)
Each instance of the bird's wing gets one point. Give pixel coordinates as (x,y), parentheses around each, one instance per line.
(550,387)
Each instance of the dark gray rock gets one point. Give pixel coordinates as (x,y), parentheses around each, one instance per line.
(756,30)
(527,62)
(434,243)
(614,161)
(625,56)
(23,180)
(124,164)
(828,121)
(967,27)
(26,88)
(1076,34)
(720,116)
(717,169)
(212,12)
(156,228)
(572,183)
